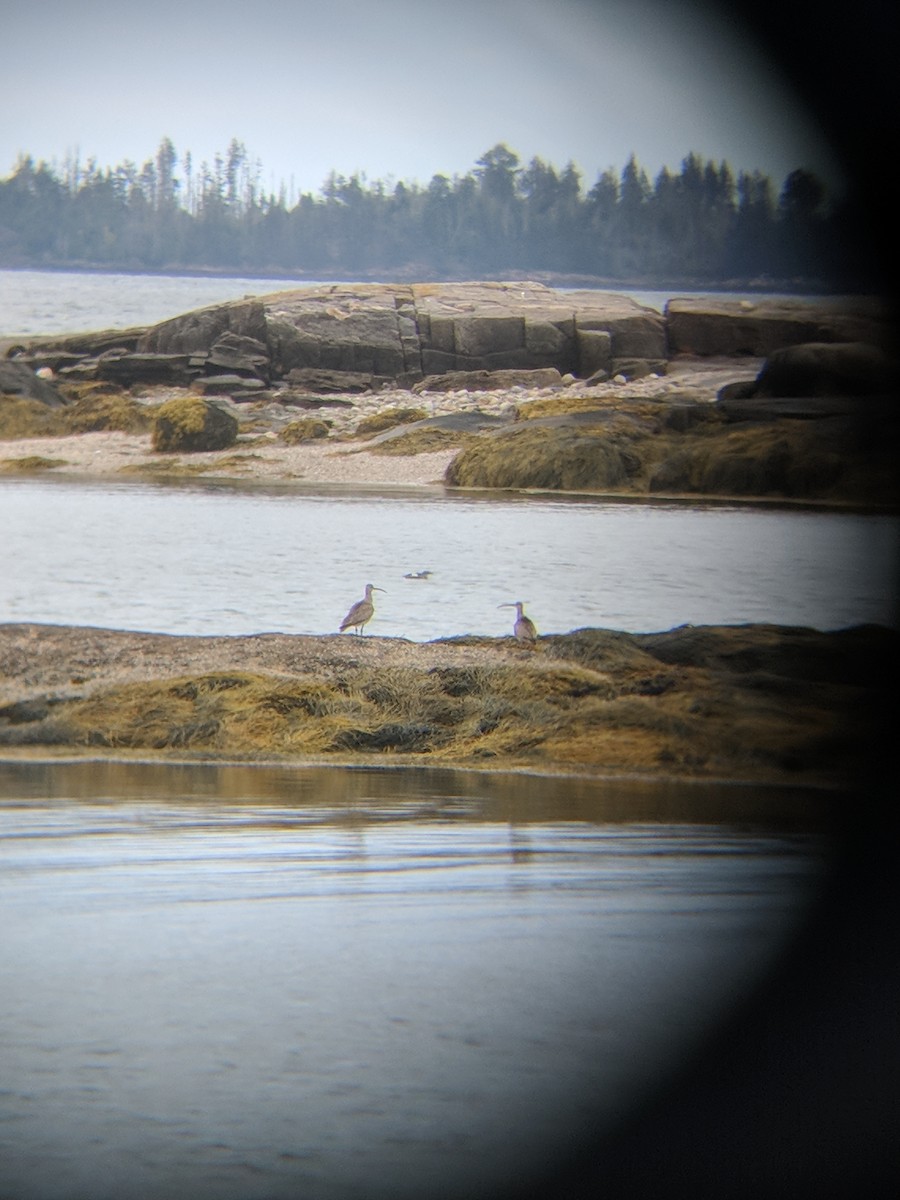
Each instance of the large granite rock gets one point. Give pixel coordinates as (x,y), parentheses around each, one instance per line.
(404,333)
(369,335)
(730,328)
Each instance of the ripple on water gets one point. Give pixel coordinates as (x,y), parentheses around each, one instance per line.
(229,982)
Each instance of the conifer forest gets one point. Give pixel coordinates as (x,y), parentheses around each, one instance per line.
(703,224)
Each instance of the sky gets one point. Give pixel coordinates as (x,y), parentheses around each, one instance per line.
(397,89)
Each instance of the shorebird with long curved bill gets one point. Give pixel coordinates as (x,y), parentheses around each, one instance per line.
(524,628)
(362,611)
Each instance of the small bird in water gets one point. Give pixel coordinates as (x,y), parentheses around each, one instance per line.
(524,628)
(417,574)
(362,611)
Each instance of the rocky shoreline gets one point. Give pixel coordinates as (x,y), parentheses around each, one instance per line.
(510,385)
(332,452)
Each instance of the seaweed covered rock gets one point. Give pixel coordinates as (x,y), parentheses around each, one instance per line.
(190,424)
(758,703)
(767,460)
(562,458)
(389,418)
(22,417)
(307,429)
(96,409)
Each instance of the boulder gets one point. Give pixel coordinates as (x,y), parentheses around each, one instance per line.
(814,380)
(826,369)
(634,330)
(190,424)
(240,387)
(305,430)
(20,382)
(300,400)
(488,381)
(388,418)
(326,383)
(730,328)
(469,421)
(125,369)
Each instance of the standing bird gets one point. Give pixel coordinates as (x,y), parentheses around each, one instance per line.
(524,628)
(362,611)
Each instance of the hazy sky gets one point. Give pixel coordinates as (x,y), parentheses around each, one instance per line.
(398,89)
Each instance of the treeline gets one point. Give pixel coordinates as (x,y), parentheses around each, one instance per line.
(700,224)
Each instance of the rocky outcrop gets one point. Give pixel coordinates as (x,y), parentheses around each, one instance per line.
(406,333)
(731,328)
(369,335)
(361,337)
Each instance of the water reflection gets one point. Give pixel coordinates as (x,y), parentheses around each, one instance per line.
(245,982)
(348,794)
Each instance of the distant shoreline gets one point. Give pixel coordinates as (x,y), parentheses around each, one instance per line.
(787,287)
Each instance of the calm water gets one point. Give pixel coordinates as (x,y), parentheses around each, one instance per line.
(255,983)
(229,561)
(46,302)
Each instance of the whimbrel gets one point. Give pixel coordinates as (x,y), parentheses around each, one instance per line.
(524,628)
(417,574)
(362,611)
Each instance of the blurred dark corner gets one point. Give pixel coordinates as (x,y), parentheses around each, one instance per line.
(796,1096)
